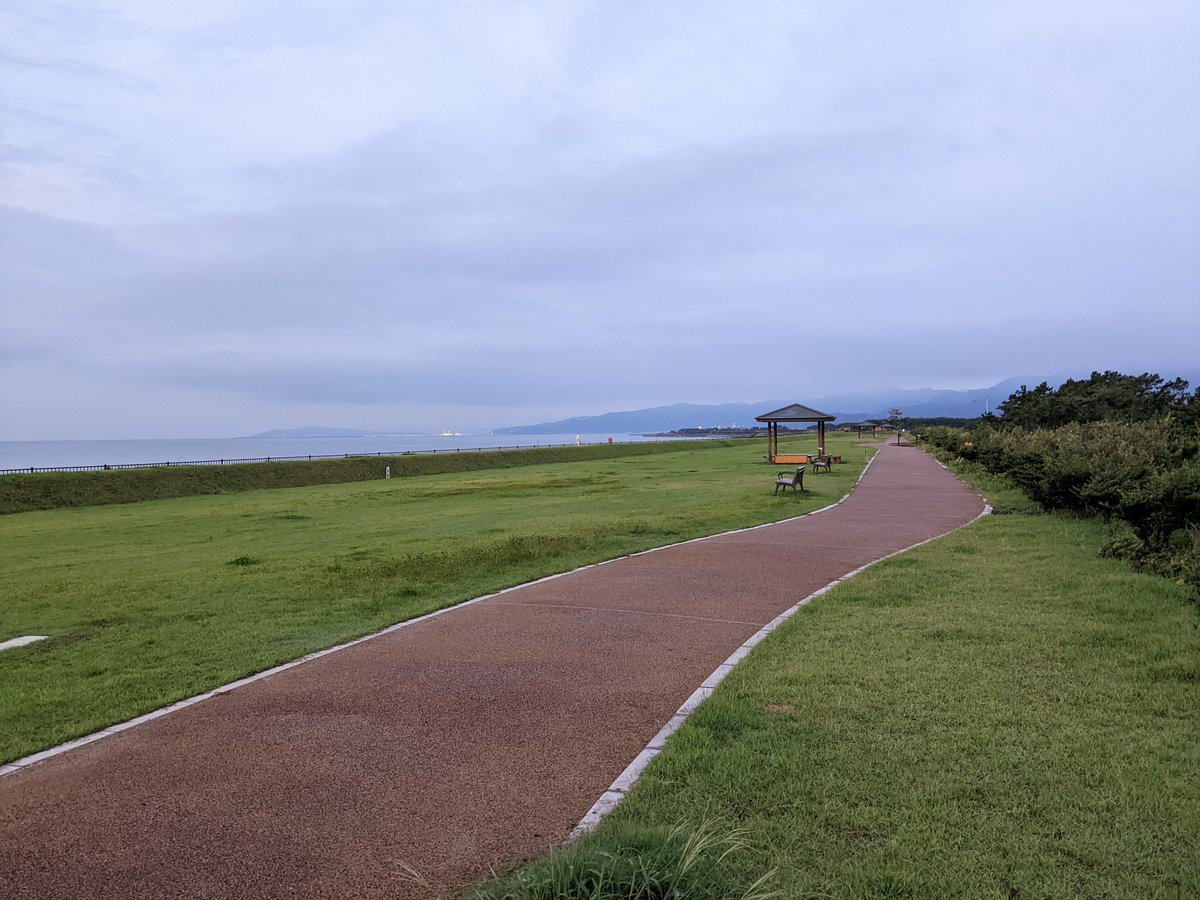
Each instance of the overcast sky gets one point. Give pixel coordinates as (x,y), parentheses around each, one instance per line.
(223,217)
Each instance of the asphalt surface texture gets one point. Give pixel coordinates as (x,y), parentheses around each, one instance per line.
(453,748)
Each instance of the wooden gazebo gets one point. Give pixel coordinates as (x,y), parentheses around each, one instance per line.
(795,413)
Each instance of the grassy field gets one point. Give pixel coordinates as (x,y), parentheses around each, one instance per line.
(58,490)
(146,603)
(998,714)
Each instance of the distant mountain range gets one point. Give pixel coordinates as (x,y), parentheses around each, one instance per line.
(852,407)
(922,403)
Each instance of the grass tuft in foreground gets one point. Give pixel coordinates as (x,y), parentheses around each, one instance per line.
(631,861)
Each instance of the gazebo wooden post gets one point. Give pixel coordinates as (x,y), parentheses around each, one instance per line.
(794,413)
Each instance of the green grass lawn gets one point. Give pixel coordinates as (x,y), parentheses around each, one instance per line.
(997,714)
(147,603)
(59,490)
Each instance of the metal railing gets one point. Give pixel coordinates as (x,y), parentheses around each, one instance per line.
(34,470)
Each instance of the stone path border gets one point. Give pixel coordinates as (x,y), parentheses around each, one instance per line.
(13,643)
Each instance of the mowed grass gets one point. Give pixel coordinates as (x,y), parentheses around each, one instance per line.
(59,490)
(147,603)
(998,714)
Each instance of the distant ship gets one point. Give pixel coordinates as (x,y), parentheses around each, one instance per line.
(451,434)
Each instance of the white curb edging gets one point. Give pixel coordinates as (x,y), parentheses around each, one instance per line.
(13,643)
(18,764)
(618,789)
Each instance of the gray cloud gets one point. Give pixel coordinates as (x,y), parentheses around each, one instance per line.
(527,210)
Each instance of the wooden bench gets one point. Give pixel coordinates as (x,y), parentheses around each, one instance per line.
(785,481)
(791,459)
(821,462)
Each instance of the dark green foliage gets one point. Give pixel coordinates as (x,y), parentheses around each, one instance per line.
(1124,448)
(1105,396)
(1163,502)
(1179,560)
(1139,473)
(55,490)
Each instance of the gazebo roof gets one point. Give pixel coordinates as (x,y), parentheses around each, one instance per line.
(797,412)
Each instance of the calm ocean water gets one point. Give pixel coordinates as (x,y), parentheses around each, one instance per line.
(48,454)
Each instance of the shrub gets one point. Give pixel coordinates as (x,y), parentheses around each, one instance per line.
(1143,474)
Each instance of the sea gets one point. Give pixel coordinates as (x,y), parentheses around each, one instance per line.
(17,455)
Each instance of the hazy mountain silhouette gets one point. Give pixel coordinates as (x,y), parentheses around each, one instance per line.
(848,407)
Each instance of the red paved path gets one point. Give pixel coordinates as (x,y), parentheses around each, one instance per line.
(464,742)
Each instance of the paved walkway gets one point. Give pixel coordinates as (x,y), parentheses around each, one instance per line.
(462,743)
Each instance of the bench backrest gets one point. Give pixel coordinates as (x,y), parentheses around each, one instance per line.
(802,458)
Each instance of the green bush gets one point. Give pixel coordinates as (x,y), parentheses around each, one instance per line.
(1132,472)
(1179,561)
(1105,396)
(953,441)
(1144,474)
(1164,503)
